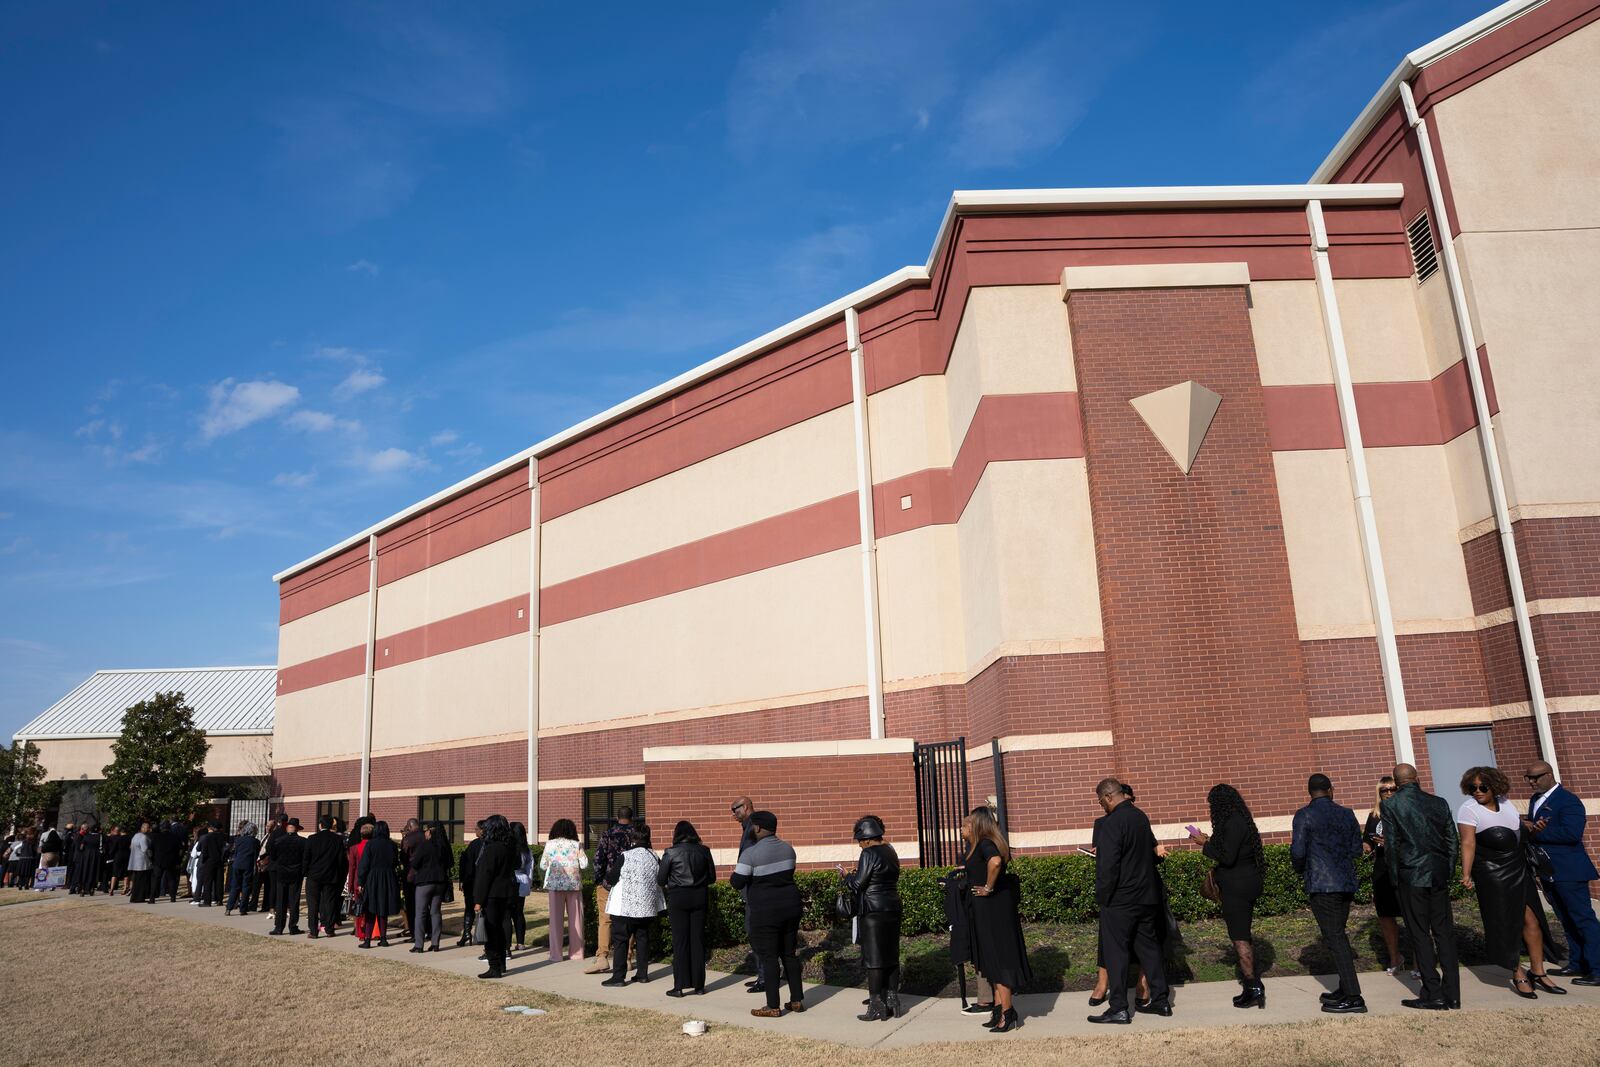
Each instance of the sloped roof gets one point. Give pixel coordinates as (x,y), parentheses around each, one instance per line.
(226,700)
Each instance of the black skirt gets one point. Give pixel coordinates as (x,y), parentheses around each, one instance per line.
(998,950)
(1506,889)
(1384,898)
(878,934)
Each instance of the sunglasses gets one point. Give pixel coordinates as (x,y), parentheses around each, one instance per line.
(1535,777)
(1480,788)
(1388,790)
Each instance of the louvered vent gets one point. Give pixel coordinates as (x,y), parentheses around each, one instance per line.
(1424,256)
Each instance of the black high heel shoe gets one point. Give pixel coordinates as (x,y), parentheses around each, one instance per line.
(1008,1022)
(1254,996)
(1095,1002)
(1542,983)
(995,1015)
(1530,994)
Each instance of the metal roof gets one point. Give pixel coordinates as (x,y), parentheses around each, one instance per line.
(226,700)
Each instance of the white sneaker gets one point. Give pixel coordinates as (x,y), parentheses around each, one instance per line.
(1389,971)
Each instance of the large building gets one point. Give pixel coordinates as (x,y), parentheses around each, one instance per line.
(232,706)
(1182,484)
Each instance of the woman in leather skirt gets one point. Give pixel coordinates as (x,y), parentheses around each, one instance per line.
(876,885)
(1495,863)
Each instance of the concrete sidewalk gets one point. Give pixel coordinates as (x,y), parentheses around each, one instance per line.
(831,1011)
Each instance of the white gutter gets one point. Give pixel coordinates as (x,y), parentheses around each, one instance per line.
(1414,61)
(869,533)
(1486,434)
(533,650)
(372,641)
(1366,522)
(1004,201)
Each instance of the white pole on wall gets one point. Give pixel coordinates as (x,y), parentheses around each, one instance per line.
(1366,522)
(533,649)
(1486,435)
(366,706)
(869,536)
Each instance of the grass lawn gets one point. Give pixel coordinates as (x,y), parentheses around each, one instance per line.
(151,989)
(19,896)
(1063,956)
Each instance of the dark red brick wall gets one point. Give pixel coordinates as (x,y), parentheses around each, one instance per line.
(1203,653)
(1559,557)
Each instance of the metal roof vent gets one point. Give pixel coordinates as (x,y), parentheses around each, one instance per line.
(1424,256)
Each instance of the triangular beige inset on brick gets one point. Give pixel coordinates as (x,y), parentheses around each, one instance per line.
(1179,416)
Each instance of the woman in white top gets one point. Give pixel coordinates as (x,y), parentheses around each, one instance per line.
(635,899)
(1494,862)
(563,862)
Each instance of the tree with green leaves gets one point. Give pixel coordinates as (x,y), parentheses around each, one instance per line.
(23,792)
(158,763)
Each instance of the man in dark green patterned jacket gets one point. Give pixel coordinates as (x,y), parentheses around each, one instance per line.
(1421,841)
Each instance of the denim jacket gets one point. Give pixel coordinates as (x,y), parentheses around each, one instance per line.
(1327,840)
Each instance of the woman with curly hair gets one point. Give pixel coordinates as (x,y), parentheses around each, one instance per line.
(1235,844)
(1495,864)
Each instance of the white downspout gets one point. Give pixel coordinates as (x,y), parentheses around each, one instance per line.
(1486,435)
(869,536)
(366,706)
(533,650)
(1366,523)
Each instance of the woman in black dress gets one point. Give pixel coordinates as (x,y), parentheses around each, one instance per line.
(1385,901)
(1235,844)
(876,884)
(998,951)
(379,885)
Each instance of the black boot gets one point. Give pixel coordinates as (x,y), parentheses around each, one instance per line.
(876,1011)
(1254,995)
(891,1002)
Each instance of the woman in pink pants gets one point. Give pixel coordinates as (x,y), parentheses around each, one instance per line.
(563,863)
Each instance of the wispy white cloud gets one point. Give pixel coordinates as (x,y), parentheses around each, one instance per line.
(362,379)
(294,479)
(311,420)
(105,440)
(391,461)
(444,437)
(236,405)
(364,266)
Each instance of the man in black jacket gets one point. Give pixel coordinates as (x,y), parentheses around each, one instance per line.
(212,846)
(1421,843)
(326,865)
(166,853)
(1125,887)
(468,871)
(286,861)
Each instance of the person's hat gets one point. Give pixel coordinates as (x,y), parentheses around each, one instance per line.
(868,828)
(766,820)
(294,823)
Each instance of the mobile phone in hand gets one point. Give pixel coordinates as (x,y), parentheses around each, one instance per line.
(1086,851)
(1193,831)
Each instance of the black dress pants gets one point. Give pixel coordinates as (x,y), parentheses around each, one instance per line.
(322,905)
(686,913)
(1126,934)
(206,875)
(1332,911)
(773,940)
(141,888)
(286,901)
(169,884)
(623,930)
(1433,941)
(495,912)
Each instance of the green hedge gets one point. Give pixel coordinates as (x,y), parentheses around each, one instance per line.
(1055,890)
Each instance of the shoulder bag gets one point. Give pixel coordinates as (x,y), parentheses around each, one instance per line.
(1208,888)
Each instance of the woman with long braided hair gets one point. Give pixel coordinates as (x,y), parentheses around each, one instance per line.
(1235,844)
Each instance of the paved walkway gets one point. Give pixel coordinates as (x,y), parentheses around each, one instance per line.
(831,1010)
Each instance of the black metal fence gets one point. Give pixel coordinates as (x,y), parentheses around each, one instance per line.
(942,801)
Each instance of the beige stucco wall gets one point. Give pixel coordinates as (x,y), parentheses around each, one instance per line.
(1028,577)
(333,629)
(1326,570)
(1414,502)
(321,723)
(770,636)
(487,575)
(1382,331)
(86,758)
(478,691)
(1012,339)
(1291,346)
(910,428)
(1523,147)
(800,465)
(1468,481)
(919,605)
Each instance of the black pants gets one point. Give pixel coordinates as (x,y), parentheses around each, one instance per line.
(169,884)
(408,900)
(1127,934)
(773,941)
(206,875)
(262,896)
(286,901)
(322,904)
(1433,941)
(686,913)
(495,910)
(468,915)
(141,887)
(1332,911)
(624,930)
(519,919)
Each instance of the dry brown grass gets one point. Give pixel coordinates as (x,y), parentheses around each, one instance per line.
(20,896)
(135,987)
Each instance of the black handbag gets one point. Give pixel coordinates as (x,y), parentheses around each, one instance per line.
(845,905)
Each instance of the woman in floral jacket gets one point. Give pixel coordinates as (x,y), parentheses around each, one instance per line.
(563,863)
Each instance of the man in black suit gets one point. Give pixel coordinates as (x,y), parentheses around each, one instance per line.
(166,853)
(326,865)
(286,859)
(1125,887)
(212,846)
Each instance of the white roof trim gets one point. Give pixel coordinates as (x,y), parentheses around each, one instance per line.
(1414,61)
(962,202)
(113,737)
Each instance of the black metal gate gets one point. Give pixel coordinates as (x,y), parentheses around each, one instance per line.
(941,772)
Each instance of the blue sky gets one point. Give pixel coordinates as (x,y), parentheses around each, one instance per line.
(271,272)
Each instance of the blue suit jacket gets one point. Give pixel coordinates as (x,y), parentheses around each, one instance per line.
(1562,837)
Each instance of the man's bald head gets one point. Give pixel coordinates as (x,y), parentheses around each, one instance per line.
(1405,774)
(1538,768)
